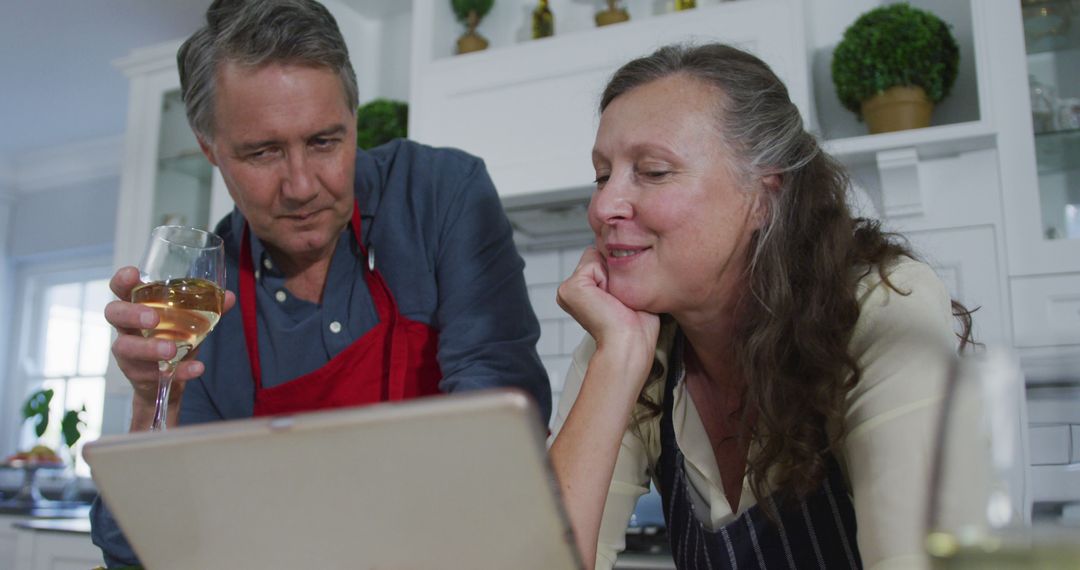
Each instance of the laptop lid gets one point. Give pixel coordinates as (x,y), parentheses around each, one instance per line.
(456,481)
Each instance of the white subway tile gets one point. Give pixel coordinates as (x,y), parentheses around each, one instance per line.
(572,335)
(1076,448)
(569,258)
(550,343)
(541,267)
(1050,445)
(556,366)
(543,302)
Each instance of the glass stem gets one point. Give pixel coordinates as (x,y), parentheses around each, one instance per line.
(161,406)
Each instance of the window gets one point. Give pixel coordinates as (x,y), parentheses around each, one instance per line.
(62,342)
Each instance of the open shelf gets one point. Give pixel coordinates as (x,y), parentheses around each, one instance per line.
(930,142)
(962,108)
(509,24)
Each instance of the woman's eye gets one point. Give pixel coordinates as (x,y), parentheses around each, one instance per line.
(601,180)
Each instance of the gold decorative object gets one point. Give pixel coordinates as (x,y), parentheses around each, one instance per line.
(685,5)
(612,15)
(543,21)
(470,12)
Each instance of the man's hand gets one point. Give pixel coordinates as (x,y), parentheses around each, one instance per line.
(138,356)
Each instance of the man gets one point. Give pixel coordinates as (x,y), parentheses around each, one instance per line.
(340,257)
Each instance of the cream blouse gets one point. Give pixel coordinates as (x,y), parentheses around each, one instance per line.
(901,343)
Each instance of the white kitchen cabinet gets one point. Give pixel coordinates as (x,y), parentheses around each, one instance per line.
(26,549)
(1038,73)
(529,107)
(165,177)
(40,549)
(9,539)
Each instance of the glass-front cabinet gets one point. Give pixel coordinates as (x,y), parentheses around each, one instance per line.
(183,181)
(1052,45)
(1036,51)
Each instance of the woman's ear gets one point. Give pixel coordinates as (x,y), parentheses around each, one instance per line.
(765,198)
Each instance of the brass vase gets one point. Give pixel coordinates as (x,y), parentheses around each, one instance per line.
(612,15)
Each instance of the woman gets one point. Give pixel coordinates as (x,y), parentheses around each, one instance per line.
(771,363)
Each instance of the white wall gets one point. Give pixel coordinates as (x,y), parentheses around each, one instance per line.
(64,219)
(559,333)
(7,284)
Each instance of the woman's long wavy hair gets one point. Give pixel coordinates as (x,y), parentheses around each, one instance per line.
(799,309)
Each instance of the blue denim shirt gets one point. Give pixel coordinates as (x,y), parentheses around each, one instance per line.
(442,242)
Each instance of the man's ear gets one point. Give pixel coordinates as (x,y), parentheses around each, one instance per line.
(207,149)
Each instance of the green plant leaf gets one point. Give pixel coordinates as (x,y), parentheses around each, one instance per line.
(381,121)
(37,407)
(463,7)
(71,426)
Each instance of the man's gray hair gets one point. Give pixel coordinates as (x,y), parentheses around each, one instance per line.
(254,33)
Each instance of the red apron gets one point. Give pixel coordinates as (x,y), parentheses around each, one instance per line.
(394,360)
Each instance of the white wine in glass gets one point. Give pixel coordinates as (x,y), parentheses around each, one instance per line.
(183,279)
(979,512)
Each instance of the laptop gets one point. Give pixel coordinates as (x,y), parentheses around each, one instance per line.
(458,481)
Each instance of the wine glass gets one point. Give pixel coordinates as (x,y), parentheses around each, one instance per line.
(183,279)
(979,513)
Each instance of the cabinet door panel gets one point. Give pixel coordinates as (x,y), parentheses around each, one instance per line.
(1046,310)
(966,259)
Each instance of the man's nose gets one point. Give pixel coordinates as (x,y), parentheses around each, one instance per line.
(300,183)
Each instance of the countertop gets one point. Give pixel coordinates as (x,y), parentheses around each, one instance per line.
(68,526)
(55,510)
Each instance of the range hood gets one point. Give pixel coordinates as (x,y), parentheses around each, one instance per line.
(550,220)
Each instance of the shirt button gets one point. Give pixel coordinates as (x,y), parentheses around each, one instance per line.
(257,274)
(280,296)
(267,264)
(335,327)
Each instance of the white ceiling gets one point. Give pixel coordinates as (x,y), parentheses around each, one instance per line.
(57,82)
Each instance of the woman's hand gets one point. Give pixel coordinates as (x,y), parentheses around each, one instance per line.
(586,448)
(584,295)
(138,356)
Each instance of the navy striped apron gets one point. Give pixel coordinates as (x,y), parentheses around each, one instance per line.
(818,532)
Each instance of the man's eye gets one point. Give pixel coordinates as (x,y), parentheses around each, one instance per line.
(323,142)
(656,174)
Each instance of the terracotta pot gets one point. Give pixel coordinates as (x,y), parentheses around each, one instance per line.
(897,109)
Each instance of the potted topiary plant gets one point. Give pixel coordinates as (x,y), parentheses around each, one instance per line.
(380,121)
(470,12)
(893,64)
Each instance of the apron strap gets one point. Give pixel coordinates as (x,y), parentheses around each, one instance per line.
(382,298)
